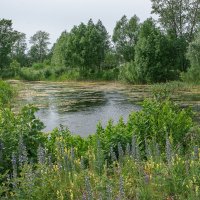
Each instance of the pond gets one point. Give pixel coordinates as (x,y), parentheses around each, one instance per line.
(81,105)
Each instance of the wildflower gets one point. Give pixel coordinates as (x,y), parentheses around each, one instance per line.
(84,197)
(120,151)
(109,191)
(41,155)
(113,155)
(88,188)
(168,151)
(121,187)
(128,149)
(14,165)
(23,157)
(196,153)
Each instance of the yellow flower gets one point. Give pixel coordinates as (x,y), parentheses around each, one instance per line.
(71,194)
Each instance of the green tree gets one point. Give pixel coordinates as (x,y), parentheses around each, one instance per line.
(103,45)
(181,18)
(87,45)
(19,49)
(39,49)
(8,36)
(152,55)
(59,49)
(193,54)
(125,37)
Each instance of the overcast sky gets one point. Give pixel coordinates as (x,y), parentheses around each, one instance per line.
(55,16)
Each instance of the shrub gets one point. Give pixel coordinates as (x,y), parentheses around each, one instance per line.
(159,120)
(38,66)
(192,75)
(128,73)
(19,132)
(31,75)
(156,121)
(6,92)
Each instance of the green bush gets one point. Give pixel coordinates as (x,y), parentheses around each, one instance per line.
(63,137)
(38,66)
(30,74)
(192,75)
(159,120)
(156,121)
(128,73)
(6,92)
(18,133)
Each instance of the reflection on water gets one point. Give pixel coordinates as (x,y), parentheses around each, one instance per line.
(80,105)
(77,106)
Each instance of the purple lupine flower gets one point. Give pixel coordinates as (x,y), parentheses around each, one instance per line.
(121,187)
(120,151)
(109,192)
(14,165)
(84,197)
(128,149)
(88,188)
(41,155)
(23,157)
(113,155)
(168,151)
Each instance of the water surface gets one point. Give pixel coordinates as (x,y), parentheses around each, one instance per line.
(81,105)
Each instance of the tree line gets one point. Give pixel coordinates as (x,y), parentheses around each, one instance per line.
(140,52)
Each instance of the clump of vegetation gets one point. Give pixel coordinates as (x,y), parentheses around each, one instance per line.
(193,73)
(166,90)
(7,92)
(154,155)
(138,52)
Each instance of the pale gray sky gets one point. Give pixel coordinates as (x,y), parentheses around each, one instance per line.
(55,16)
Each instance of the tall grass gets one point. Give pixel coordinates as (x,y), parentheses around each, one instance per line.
(68,176)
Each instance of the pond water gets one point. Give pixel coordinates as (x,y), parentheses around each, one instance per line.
(81,105)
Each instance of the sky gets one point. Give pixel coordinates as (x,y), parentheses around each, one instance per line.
(55,16)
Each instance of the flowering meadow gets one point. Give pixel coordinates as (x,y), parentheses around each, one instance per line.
(154,155)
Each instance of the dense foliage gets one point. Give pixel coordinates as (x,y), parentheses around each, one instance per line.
(137,52)
(155,150)
(193,54)
(6,93)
